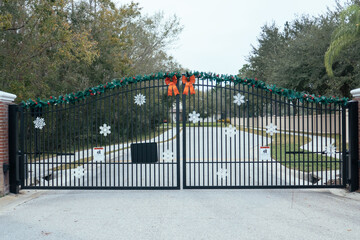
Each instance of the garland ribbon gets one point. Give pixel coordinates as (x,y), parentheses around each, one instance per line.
(188,84)
(227,79)
(172,85)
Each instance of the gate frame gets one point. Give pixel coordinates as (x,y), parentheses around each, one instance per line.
(351,158)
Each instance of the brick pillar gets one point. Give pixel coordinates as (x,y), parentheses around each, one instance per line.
(356,94)
(5,100)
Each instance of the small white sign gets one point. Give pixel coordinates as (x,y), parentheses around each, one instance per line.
(99,154)
(265,153)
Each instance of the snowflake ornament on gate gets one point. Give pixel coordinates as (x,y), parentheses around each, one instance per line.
(168,156)
(78,172)
(239,99)
(140,99)
(230,131)
(271,129)
(194,117)
(330,149)
(39,123)
(105,129)
(222,173)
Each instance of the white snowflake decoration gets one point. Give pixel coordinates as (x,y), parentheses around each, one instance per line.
(39,123)
(105,129)
(239,99)
(222,173)
(78,172)
(230,131)
(194,117)
(271,129)
(330,149)
(168,156)
(140,99)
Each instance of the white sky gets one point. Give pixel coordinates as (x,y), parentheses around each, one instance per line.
(218,35)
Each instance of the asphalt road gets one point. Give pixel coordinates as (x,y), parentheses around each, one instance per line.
(186,214)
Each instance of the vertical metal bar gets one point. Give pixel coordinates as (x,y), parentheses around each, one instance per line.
(313,131)
(27,147)
(244,136)
(267,143)
(262,137)
(129,135)
(281,146)
(214,118)
(248,145)
(308,136)
(276,147)
(317,141)
(178,177)
(294,145)
(299,143)
(184,140)
(196,125)
(303,142)
(22,135)
(344,153)
(203,130)
(257,135)
(353,162)
(119,108)
(327,144)
(253,135)
(163,130)
(159,129)
(153,166)
(208,118)
(332,158)
(340,133)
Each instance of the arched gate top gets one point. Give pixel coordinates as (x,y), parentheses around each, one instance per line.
(119,82)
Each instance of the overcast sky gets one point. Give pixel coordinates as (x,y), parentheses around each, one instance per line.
(218,35)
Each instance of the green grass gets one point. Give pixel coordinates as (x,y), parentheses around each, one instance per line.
(284,143)
(305,161)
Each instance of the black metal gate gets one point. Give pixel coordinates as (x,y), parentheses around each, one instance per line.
(118,138)
(251,135)
(218,132)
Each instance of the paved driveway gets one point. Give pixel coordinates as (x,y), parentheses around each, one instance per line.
(185,214)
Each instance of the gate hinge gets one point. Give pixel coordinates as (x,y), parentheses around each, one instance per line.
(6,167)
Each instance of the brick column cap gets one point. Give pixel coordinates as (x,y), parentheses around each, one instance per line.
(7,97)
(355,93)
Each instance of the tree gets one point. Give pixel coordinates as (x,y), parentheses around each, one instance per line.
(345,35)
(57,47)
(294,57)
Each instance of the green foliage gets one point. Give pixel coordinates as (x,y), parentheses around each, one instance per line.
(51,47)
(345,35)
(294,57)
(213,77)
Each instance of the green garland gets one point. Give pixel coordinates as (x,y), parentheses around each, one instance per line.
(116,83)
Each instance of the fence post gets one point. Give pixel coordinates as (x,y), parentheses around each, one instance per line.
(6,99)
(355,165)
(353,169)
(14,177)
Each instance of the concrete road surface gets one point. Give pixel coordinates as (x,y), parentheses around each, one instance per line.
(186,214)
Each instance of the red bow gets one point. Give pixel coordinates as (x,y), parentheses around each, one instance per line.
(172,85)
(188,84)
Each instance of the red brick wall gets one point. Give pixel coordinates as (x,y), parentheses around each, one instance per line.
(4,148)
